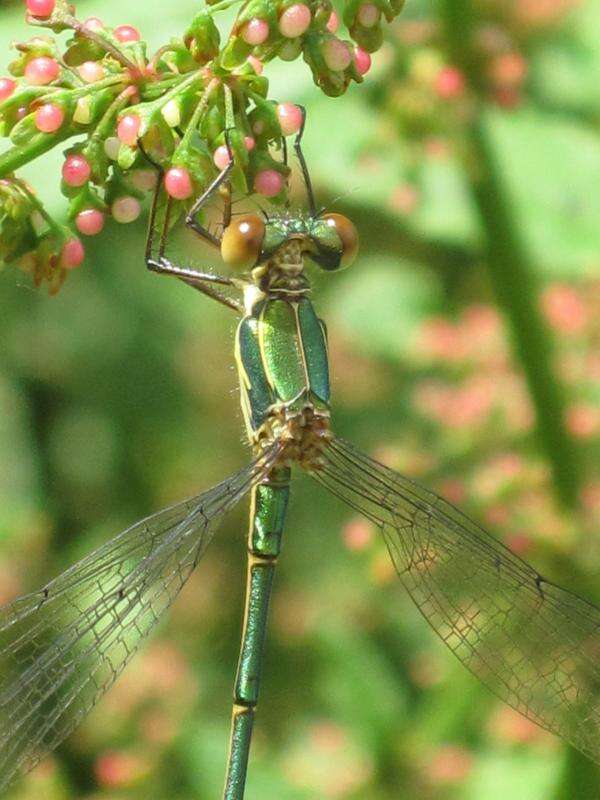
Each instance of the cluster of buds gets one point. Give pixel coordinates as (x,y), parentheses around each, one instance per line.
(430,96)
(429,99)
(189,108)
(30,238)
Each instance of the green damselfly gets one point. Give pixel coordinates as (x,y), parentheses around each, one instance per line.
(535,645)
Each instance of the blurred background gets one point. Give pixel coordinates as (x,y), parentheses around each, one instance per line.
(464,352)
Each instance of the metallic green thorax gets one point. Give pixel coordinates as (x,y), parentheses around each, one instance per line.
(281,352)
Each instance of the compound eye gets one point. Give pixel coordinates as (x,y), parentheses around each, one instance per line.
(242,241)
(347,234)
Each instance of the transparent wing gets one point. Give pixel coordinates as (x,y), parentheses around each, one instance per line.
(62,648)
(535,645)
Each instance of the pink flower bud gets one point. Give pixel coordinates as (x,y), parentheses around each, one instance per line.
(368,15)
(41,8)
(93,24)
(7,87)
(72,254)
(76,170)
(333,23)
(126,209)
(144,179)
(255,31)
(49,118)
(91,71)
(178,183)
(336,55)
(295,20)
(221,156)
(128,129)
(41,71)
(449,83)
(268,182)
(256,64)
(90,221)
(290,118)
(362,61)
(126,33)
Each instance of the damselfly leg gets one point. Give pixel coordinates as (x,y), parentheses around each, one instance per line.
(221,182)
(312,206)
(156,257)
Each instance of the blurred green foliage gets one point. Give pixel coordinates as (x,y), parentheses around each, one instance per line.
(118,397)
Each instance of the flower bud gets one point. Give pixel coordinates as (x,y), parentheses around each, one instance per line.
(171,113)
(330,60)
(202,38)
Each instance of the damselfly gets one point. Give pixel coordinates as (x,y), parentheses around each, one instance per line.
(535,645)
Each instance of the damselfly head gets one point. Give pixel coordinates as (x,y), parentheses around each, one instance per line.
(330,240)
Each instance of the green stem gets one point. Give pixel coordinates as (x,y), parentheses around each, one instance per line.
(199,111)
(17,157)
(579,777)
(229,113)
(150,91)
(106,124)
(106,83)
(223,6)
(511,270)
(41,143)
(35,203)
(74,24)
(185,83)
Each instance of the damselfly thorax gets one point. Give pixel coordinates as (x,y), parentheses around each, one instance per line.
(281,352)
(281,344)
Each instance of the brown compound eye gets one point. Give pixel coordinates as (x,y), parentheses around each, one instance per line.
(348,236)
(242,241)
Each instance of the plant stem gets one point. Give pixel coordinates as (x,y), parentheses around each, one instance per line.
(107,122)
(199,110)
(32,199)
(71,22)
(511,270)
(106,83)
(17,157)
(222,6)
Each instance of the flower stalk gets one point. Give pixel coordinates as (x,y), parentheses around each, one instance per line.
(510,266)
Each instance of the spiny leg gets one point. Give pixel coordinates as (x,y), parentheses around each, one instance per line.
(267,515)
(284,158)
(161,264)
(191,219)
(312,207)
